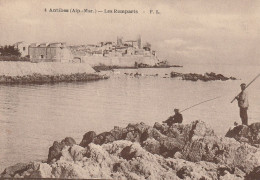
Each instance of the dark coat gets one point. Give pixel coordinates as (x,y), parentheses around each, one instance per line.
(177,118)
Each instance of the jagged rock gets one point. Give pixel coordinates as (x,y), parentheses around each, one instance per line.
(201,144)
(101,164)
(160,127)
(104,138)
(241,133)
(128,153)
(189,170)
(249,134)
(43,171)
(88,138)
(139,151)
(120,160)
(77,152)
(15,169)
(153,146)
(56,148)
(254,175)
(184,172)
(206,77)
(228,176)
(223,151)
(194,142)
(178,155)
(118,133)
(68,141)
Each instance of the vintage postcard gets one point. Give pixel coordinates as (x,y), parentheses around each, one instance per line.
(140,89)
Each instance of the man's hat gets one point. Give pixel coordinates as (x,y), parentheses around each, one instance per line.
(176,109)
(243,84)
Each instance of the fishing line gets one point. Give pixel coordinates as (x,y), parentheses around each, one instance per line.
(200,103)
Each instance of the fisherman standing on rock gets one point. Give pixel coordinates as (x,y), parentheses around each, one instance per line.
(243,104)
(177,118)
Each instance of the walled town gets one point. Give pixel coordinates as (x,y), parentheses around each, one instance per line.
(62,52)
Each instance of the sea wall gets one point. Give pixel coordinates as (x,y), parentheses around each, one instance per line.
(43,68)
(40,79)
(119,61)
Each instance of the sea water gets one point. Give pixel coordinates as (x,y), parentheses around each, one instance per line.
(33,116)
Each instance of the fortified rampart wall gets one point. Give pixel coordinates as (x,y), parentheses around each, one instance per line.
(119,61)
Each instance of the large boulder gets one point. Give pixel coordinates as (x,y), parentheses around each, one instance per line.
(224,151)
(88,138)
(42,171)
(249,134)
(56,148)
(254,175)
(105,137)
(15,169)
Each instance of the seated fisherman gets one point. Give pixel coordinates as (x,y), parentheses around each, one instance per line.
(177,118)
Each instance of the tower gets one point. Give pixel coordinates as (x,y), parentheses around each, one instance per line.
(139,42)
(119,41)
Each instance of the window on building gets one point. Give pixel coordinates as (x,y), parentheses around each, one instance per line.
(42,56)
(24,48)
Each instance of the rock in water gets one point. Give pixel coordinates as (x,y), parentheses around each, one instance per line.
(206,77)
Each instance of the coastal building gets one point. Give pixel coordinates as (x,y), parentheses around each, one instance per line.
(49,52)
(120,53)
(134,43)
(120,48)
(22,47)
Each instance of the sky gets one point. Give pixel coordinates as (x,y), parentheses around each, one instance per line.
(201,31)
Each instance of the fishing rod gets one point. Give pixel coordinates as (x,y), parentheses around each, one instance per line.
(200,103)
(246,86)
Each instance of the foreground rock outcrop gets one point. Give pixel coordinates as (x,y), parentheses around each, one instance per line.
(249,134)
(139,151)
(203,77)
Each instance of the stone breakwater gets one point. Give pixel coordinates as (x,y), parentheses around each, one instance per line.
(51,72)
(206,77)
(36,78)
(44,68)
(139,151)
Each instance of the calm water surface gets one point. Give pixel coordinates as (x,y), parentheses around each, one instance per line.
(33,116)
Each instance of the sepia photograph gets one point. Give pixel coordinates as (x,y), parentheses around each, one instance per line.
(130,90)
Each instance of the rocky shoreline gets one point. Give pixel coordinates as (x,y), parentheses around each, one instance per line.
(138,151)
(37,78)
(141,65)
(203,77)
